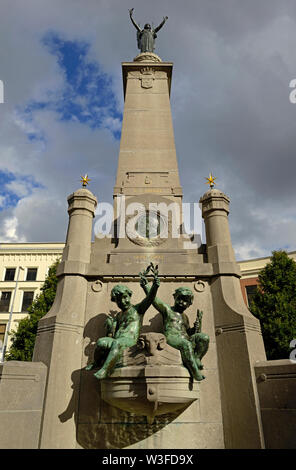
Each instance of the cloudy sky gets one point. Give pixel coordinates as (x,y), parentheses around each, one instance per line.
(60,62)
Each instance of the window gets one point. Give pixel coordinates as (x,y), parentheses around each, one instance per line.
(27,300)
(31,274)
(5,301)
(9,274)
(2,334)
(250,291)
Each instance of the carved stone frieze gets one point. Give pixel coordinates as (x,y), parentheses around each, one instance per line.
(147,57)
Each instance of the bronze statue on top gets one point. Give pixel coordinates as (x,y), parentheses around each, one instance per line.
(146,37)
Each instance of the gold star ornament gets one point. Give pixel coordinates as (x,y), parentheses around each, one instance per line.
(84,180)
(211,180)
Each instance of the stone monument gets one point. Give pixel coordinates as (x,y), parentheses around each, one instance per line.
(156,393)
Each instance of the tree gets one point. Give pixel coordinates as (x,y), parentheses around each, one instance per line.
(23,339)
(274,304)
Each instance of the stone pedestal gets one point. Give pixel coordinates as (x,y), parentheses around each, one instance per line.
(22,387)
(151,380)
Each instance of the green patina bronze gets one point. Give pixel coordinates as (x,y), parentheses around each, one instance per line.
(191,343)
(146,36)
(123,330)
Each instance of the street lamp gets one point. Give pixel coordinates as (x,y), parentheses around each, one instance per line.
(10,317)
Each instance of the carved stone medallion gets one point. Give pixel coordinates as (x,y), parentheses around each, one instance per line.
(97,286)
(147,77)
(200,286)
(150,228)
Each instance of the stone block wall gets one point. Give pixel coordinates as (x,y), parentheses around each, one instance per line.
(22,386)
(276,383)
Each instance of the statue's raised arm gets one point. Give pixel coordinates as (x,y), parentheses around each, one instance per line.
(157,303)
(191,343)
(161,24)
(133,21)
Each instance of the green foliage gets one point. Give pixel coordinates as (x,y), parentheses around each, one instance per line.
(275,305)
(23,339)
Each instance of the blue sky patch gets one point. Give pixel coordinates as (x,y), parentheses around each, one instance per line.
(7,199)
(87,96)
(13,188)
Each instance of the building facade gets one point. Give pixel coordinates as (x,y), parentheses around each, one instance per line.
(24,266)
(250,270)
(23,269)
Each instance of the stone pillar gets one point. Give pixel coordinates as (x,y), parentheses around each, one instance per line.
(215,209)
(82,204)
(59,340)
(239,339)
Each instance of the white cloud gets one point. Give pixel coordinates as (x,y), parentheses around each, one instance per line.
(230,100)
(19,188)
(9,231)
(247,251)
(113,124)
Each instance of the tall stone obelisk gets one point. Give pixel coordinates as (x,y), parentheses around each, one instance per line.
(147,161)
